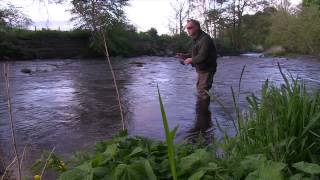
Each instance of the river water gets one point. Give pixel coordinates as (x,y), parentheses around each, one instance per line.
(70,104)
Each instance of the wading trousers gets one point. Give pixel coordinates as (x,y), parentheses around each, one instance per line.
(204,83)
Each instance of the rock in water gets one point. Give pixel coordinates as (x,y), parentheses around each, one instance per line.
(26,70)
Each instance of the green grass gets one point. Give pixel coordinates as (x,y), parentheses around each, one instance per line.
(283,124)
(169,138)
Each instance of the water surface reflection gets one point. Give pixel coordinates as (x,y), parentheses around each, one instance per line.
(202,128)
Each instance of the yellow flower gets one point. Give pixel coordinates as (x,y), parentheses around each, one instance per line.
(37,177)
(62,163)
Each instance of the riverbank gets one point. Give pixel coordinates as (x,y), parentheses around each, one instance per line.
(45,44)
(270,143)
(17,44)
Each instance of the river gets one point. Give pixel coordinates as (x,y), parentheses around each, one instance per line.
(71,104)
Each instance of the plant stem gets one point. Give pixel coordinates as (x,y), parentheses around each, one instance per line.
(114,78)
(5,171)
(45,165)
(6,71)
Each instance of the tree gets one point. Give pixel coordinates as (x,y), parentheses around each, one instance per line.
(256,28)
(12,17)
(153,33)
(237,9)
(215,18)
(95,14)
(2,21)
(311,3)
(225,17)
(199,10)
(297,32)
(181,12)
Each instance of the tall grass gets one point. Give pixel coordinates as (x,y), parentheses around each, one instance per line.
(169,138)
(284,123)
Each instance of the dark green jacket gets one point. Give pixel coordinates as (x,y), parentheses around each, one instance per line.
(204,54)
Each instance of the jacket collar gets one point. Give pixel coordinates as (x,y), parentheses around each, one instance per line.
(199,35)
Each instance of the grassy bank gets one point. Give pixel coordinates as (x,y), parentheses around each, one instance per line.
(123,41)
(25,44)
(278,137)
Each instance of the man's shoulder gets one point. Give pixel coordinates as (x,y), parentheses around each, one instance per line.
(205,37)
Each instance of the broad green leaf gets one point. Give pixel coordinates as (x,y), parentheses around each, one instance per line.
(85,167)
(120,171)
(197,176)
(297,177)
(268,171)
(310,168)
(209,177)
(112,150)
(107,177)
(136,151)
(126,172)
(199,156)
(253,162)
(74,174)
(211,167)
(100,171)
(149,170)
(100,159)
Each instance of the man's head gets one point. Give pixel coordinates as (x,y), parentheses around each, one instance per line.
(193,27)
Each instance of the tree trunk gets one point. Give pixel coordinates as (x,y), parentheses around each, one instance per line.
(93,16)
(234,41)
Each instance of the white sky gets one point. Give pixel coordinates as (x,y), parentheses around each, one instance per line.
(144,14)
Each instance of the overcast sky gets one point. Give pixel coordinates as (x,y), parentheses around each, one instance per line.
(144,14)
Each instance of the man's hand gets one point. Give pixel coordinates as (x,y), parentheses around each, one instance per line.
(188,61)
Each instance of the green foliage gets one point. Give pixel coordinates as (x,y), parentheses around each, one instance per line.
(283,124)
(96,14)
(139,158)
(123,158)
(256,29)
(311,3)
(26,44)
(309,168)
(54,162)
(298,32)
(123,40)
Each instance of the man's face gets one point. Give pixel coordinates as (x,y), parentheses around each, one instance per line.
(191,29)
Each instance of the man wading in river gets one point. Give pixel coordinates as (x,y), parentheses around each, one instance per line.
(203,58)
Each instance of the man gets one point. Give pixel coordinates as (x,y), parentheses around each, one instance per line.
(203,58)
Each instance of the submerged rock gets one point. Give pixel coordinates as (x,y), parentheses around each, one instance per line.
(26,70)
(137,63)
